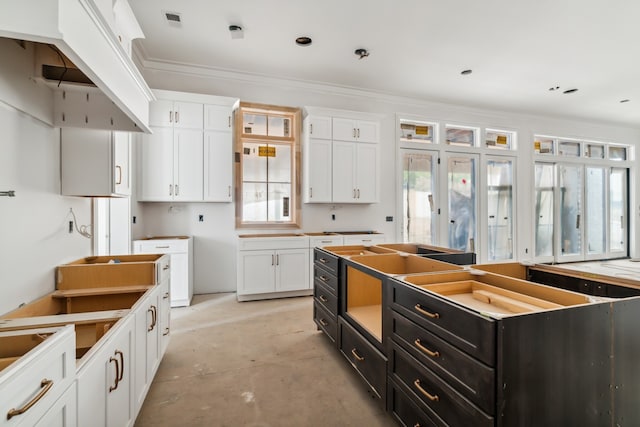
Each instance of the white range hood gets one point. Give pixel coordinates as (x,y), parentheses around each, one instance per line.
(83,30)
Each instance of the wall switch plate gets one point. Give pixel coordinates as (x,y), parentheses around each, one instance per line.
(200,218)
(333,217)
(389,219)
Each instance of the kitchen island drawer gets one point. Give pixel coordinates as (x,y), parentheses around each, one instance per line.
(328,300)
(469,376)
(449,405)
(325,321)
(322,275)
(325,259)
(465,329)
(364,357)
(406,411)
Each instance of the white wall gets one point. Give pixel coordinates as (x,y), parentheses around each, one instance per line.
(34,224)
(215,238)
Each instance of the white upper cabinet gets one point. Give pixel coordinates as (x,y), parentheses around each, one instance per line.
(345,129)
(95,163)
(340,156)
(189,156)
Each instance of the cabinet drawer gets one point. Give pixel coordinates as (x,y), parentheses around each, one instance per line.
(404,410)
(325,321)
(272,243)
(465,329)
(325,259)
(364,357)
(161,246)
(324,297)
(39,376)
(320,275)
(453,408)
(467,375)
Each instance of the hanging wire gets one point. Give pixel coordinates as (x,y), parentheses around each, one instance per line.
(84,230)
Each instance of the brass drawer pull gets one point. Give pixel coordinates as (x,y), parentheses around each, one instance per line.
(323,278)
(431,397)
(166,267)
(323,298)
(121,354)
(324,322)
(425,349)
(357,356)
(45,386)
(166,332)
(117,379)
(166,295)
(419,309)
(322,260)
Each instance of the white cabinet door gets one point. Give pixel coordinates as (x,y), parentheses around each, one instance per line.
(366,168)
(367,131)
(319,127)
(318,162)
(344,129)
(161,113)
(256,272)
(164,298)
(179,279)
(292,269)
(187,169)
(63,413)
(104,382)
(187,115)
(344,159)
(217,117)
(218,163)
(147,349)
(156,165)
(122,169)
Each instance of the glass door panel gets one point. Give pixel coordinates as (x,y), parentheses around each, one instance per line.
(544,188)
(618,211)
(596,207)
(461,186)
(418,198)
(500,209)
(570,203)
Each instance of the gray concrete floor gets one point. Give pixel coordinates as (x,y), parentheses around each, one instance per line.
(257,364)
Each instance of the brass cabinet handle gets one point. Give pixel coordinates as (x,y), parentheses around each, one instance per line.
(324,322)
(115,383)
(166,332)
(322,260)
(425,349)
(177,116)
(356,355)
(323,298)
(166,295)
(150,327)
(323,278)
(154,317)
(166,267)
(431,397)
(121,354)
(45,386)
(419,309)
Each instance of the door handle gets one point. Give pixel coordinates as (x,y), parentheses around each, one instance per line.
(115,383)
(170,116)
(45,386)
(177,116)
(121,354)
(578,221)
(119,174)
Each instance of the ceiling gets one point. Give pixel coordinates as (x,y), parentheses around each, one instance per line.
(517,49)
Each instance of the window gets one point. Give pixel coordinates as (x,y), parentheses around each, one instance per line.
(458,135)
(267,164)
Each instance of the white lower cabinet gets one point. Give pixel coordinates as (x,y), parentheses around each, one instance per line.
(270,267)
(105,381)
(180,250)
(147,346)
(63,413)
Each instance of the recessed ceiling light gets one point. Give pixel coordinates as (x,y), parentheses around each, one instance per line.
(570,90)
(466,72)
(173,17)
(236,31)
(622,101)
(303,41)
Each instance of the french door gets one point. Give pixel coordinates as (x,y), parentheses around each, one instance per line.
(418,180)
(461,189)
(584,216)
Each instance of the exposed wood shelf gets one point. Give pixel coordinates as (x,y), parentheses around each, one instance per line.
(62,319)
(72,293)
(370,317)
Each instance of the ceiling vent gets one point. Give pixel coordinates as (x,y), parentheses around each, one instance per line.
(173,17)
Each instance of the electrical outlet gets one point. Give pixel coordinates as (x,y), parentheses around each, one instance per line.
(70,227)
(134,220)
(200,218)
(333,217)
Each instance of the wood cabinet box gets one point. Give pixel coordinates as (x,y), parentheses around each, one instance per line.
(102,271)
